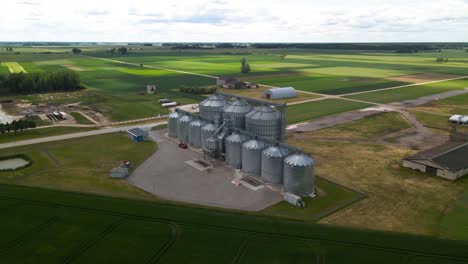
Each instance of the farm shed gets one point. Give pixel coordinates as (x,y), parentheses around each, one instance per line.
(224,79)
(449,161)
(459,120)
(280,93)
(137,134)
(119,172)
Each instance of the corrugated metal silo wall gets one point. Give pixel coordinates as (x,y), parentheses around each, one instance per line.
(272,169)
(298,179)
(183,131)
(209,113)
(237,119)
(195,136)
(172,127)
(266,128)
(233,154)
(205,134)
(251,161)
(211,144)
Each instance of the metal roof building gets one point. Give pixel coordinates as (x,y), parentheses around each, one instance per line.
(448,161)
(280,93)
(137,134)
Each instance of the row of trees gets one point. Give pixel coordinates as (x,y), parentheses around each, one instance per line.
(16,125)
(121,50)
(40,82)
(440,60)
(198,90)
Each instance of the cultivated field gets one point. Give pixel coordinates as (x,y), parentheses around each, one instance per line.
(55,227)
(13,67)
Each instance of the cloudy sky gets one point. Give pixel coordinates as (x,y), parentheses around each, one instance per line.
(234,20)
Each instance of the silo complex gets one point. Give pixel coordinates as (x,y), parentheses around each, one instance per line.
(235,112)
(273,164)
(195,133)
(233,155)
(298,174)
(252,156)
(264,121)
(172,124)
(212,107)
(183,128)
(207,131)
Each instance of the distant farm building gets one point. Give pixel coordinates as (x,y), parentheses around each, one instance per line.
(119,172)
(459,120)
(449,161)
(137,134)
(151,89)
(280,93)
(233,83)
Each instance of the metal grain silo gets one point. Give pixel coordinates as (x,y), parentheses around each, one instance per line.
(252,156)
(212,144)
(172,124)
(183,128)
(235,112)
(273,163)
(207,131)
(195,133)
(212,107)
(298,174)
(264,121)
(233,155)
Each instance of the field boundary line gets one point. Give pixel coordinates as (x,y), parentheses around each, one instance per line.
(176,232)
(155,67)
(237,230)
(29,234)
(404,86)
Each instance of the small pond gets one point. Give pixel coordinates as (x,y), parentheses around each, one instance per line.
(13,163)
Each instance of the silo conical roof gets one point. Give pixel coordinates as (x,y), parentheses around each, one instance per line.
(299,160)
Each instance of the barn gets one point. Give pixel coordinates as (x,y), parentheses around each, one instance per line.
(280,93)
(137,134)
(449,161)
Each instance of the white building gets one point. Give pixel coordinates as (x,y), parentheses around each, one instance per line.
(280,93)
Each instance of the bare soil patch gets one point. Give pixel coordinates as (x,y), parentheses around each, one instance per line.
(422,77)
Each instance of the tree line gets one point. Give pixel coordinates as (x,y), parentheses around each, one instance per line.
(16,125)
(40,82)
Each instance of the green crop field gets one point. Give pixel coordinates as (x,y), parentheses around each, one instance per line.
(313,110)
(41,132)
(80,119)
(13,67)
(40,226)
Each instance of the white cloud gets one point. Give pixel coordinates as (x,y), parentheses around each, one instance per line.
(240,20)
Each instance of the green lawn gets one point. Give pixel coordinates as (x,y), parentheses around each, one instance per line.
(313,110)
(80,119)
(80,164)
(38,121)
(358,72)
(454,224)
(411,92)
(366,128)
(43,226)
(40,132)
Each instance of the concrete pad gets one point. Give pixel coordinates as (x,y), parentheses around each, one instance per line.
(167,175)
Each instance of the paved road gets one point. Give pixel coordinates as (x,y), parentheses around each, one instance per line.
(76,135)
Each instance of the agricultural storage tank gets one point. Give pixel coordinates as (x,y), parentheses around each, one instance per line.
(212,107)
(298,174)
(273,163)
(252,156)
(183,128)
(264,121)
(233,155)
(207,131)
(235,112)
(212,144)
(195,133)
(172,124)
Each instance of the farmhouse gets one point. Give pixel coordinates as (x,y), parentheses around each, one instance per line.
(448,161)
(280,93)
(231,83)
(137,134)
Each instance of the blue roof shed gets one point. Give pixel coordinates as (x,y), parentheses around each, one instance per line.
(137,134)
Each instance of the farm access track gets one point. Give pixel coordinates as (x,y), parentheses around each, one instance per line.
(177,230)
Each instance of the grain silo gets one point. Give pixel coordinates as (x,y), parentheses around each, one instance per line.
(273,163)
(298,174)
(212,107)
(252,156)
(233,155)
(207,131)
(183,128)
(172,124)
(235,112)
(195,133)
(264,121)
